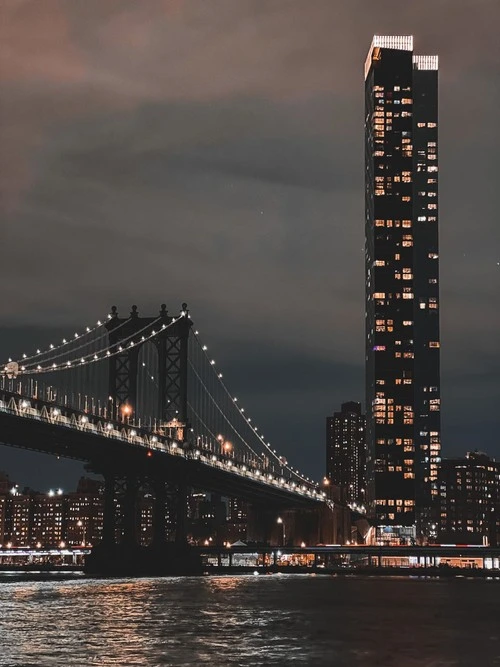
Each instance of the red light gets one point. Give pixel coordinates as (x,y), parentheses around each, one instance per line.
(150,453)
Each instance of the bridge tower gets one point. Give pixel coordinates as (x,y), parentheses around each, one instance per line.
(172,346)
(121,484)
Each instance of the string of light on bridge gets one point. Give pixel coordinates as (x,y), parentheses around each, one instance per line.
(106,353)
(224,416)
(25,359)
(280,459)
(234,401)
(215,436)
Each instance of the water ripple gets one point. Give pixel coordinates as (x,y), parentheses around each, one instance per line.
(250,621)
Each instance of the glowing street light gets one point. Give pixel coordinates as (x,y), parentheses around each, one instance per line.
(126,412)
(226,446)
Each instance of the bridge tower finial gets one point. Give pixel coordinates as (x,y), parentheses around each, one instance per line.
(134,312)
(114,311)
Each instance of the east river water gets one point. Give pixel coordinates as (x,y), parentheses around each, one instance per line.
(250,620)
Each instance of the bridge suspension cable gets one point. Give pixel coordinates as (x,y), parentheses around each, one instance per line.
(234,408)
(66,342)
(99,355)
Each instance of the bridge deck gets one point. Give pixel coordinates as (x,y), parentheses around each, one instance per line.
(39,426)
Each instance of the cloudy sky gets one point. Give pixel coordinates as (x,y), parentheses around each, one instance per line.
(212,152)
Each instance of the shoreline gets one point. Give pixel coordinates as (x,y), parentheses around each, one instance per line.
(35,573)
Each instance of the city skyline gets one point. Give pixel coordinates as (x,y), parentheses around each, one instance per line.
(238,175)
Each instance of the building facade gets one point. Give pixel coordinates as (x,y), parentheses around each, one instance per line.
(53,519)
(469,496)
(346,453)
(402,288)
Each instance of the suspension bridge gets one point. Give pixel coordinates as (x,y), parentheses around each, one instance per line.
(142,403)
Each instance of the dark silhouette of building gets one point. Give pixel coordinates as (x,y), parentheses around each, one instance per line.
(237,520)
(469,494)
(402,287)
(346,453)
(56,519)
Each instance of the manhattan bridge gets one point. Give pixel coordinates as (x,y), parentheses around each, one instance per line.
(141,402)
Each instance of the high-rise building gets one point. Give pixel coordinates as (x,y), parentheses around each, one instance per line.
(402,286)
(469,494)
(346,452)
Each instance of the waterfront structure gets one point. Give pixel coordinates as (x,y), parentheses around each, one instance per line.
(469,495)
(346,453)
(402,287)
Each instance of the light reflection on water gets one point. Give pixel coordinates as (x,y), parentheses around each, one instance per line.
(265,620)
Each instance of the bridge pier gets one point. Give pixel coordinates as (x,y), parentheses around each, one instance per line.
(124,556)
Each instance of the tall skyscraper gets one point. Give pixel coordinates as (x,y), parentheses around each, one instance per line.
(402,286)
(346,452)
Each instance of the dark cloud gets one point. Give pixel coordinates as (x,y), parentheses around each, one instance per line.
(213,152)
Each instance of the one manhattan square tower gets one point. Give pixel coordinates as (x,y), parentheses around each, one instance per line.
(402,288)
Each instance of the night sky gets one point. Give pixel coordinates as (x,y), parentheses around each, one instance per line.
(212,152)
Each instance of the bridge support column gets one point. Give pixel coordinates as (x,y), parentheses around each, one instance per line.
(109,514)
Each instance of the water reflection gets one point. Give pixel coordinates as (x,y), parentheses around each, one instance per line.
(251,621)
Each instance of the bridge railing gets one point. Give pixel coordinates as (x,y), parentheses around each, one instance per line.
(40,410)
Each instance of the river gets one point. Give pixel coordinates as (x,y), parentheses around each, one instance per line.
(250,620)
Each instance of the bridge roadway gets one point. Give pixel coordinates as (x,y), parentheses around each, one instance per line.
(38,425)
